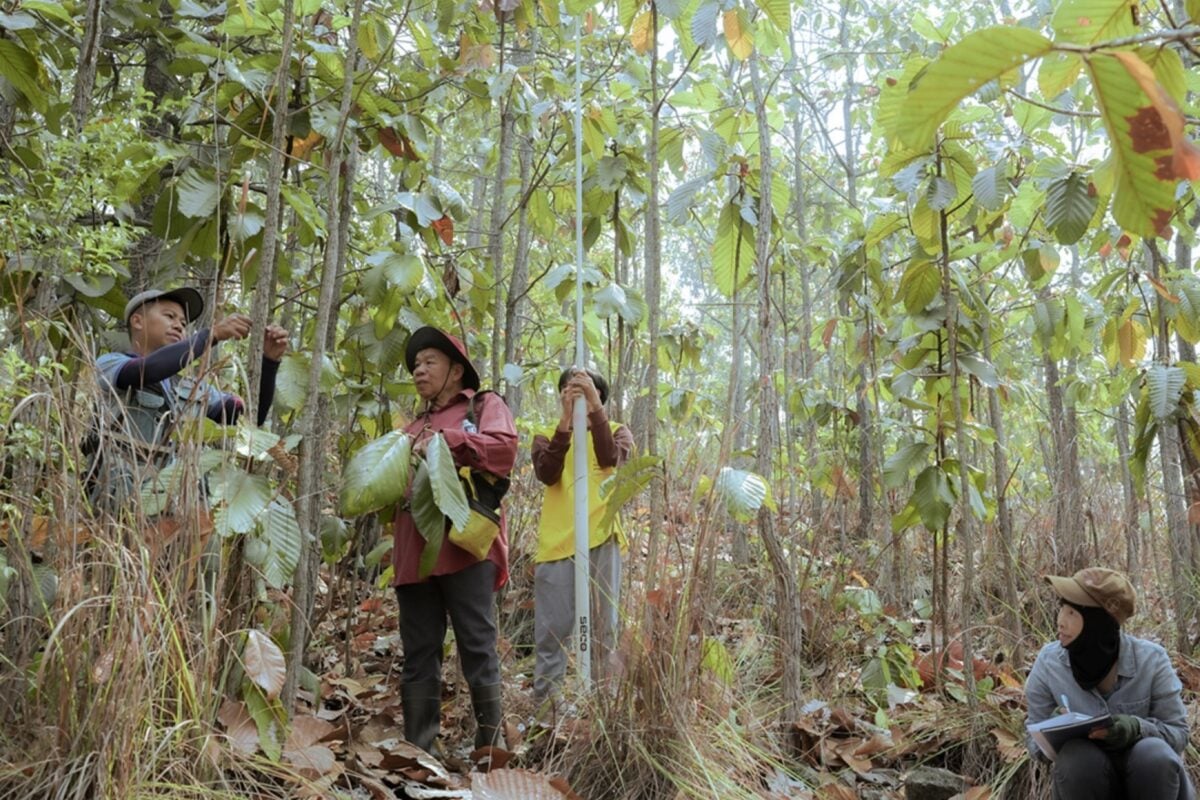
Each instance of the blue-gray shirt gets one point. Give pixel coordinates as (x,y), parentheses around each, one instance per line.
(1147,688)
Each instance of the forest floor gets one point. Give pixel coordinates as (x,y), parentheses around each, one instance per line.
(851,742)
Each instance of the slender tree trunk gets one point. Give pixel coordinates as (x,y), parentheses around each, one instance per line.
(1174,497)
(89,56)
(653,261)
(1004,525)
(519,280)
(496,227)
(310,497)
(966,519)
(1131,528)
(264,284)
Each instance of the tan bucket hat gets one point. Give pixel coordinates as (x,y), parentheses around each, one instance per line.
(1097,587)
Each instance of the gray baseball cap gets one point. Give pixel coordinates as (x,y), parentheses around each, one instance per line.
(186,296)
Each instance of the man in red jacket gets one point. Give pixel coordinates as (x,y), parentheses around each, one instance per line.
(479,430)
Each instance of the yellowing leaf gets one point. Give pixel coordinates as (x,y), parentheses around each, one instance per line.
(738,34)
(962,70)
(1091,21)
(264,663)
(1131,343)
(641,33)
(1147,143)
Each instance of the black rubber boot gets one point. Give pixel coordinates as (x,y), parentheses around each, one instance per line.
(485,701)
(422,703)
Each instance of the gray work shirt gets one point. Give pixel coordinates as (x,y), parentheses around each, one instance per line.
(1147,688)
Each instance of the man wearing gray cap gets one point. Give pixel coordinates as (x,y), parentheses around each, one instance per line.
(146,396)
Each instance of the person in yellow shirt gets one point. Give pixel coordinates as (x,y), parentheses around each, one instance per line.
(609,445)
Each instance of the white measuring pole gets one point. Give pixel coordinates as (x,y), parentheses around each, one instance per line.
(579,445)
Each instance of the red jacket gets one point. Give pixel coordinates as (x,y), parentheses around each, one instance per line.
(492,448)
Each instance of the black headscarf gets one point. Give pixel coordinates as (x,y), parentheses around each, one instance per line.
(1094,651)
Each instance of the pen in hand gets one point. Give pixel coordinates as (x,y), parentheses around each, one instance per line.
(1066,705)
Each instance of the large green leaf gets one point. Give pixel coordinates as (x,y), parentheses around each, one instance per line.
(1164,387)
(1070,205)
(282,534)
(429,519)
(444,481)
(291,382)
(743,493)
(778,11)
(898,465)
(681,200)
(990,186)
(932,497)
(704,22)
(198,192)
(920,283)
(377,475)
(1092,21)
(1141,148)
(623,485)
(21,69)
(962,69)
(1057,73)
(241,499)
(733,251)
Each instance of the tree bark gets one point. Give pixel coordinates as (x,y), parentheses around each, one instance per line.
(496,226)
(311,490)
(89,56)
(653,267)
(1007,549)
(790,625)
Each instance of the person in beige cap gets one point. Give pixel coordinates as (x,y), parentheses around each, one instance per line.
(145,394)
(1094,668)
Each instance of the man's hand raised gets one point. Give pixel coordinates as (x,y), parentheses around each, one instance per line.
(235,326)
(275,342)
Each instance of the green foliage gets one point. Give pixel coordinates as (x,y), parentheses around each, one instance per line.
(377,474)
(444,482)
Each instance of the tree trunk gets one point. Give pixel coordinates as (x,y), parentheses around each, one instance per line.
(1007,546)
(311,490)
(264,284)
(790,624)
(496,227)
(653,259)
(89,56)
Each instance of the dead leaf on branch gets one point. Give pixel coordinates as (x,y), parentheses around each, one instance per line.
(264,663)
(239,727)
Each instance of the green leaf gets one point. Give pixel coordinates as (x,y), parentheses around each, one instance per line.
(291,382)
(990,186)
(940,193)
(704,22)
(920,283)
(733,252)
(626,483)
(715,658)
(198,193)
(932,497)
(23,72)
(282,533)
(1141,155)
(1091,21)
(900,463)
(961,70)
(448,490)
(778,11)
(50,10)
(92,286)
(626,303)
(241,498)
(429,519)
(1058,73)
(1070,205)
(684,197)
(980,368)
(1164,387)
(377,475)
(254,442)
(742,492)
(302,203)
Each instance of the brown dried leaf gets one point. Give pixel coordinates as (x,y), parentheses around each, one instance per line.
(307,731)
(264,663)
(1010,747)
(836,791)
(515,784)
(315,760)
(239,727)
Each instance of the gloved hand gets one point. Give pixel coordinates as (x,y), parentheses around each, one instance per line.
(1125,730)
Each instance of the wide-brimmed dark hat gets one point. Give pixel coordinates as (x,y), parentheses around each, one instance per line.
(452,346)
(190,299)
(1097,587)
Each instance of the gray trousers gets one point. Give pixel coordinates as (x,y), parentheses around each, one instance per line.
(467,598)
(1150,770)
(554,615)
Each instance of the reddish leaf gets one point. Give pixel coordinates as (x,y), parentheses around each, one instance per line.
(397,144)
(1160,125)
(444,228)
(827,335)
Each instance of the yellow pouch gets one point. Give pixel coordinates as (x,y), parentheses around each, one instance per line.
(483,525)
